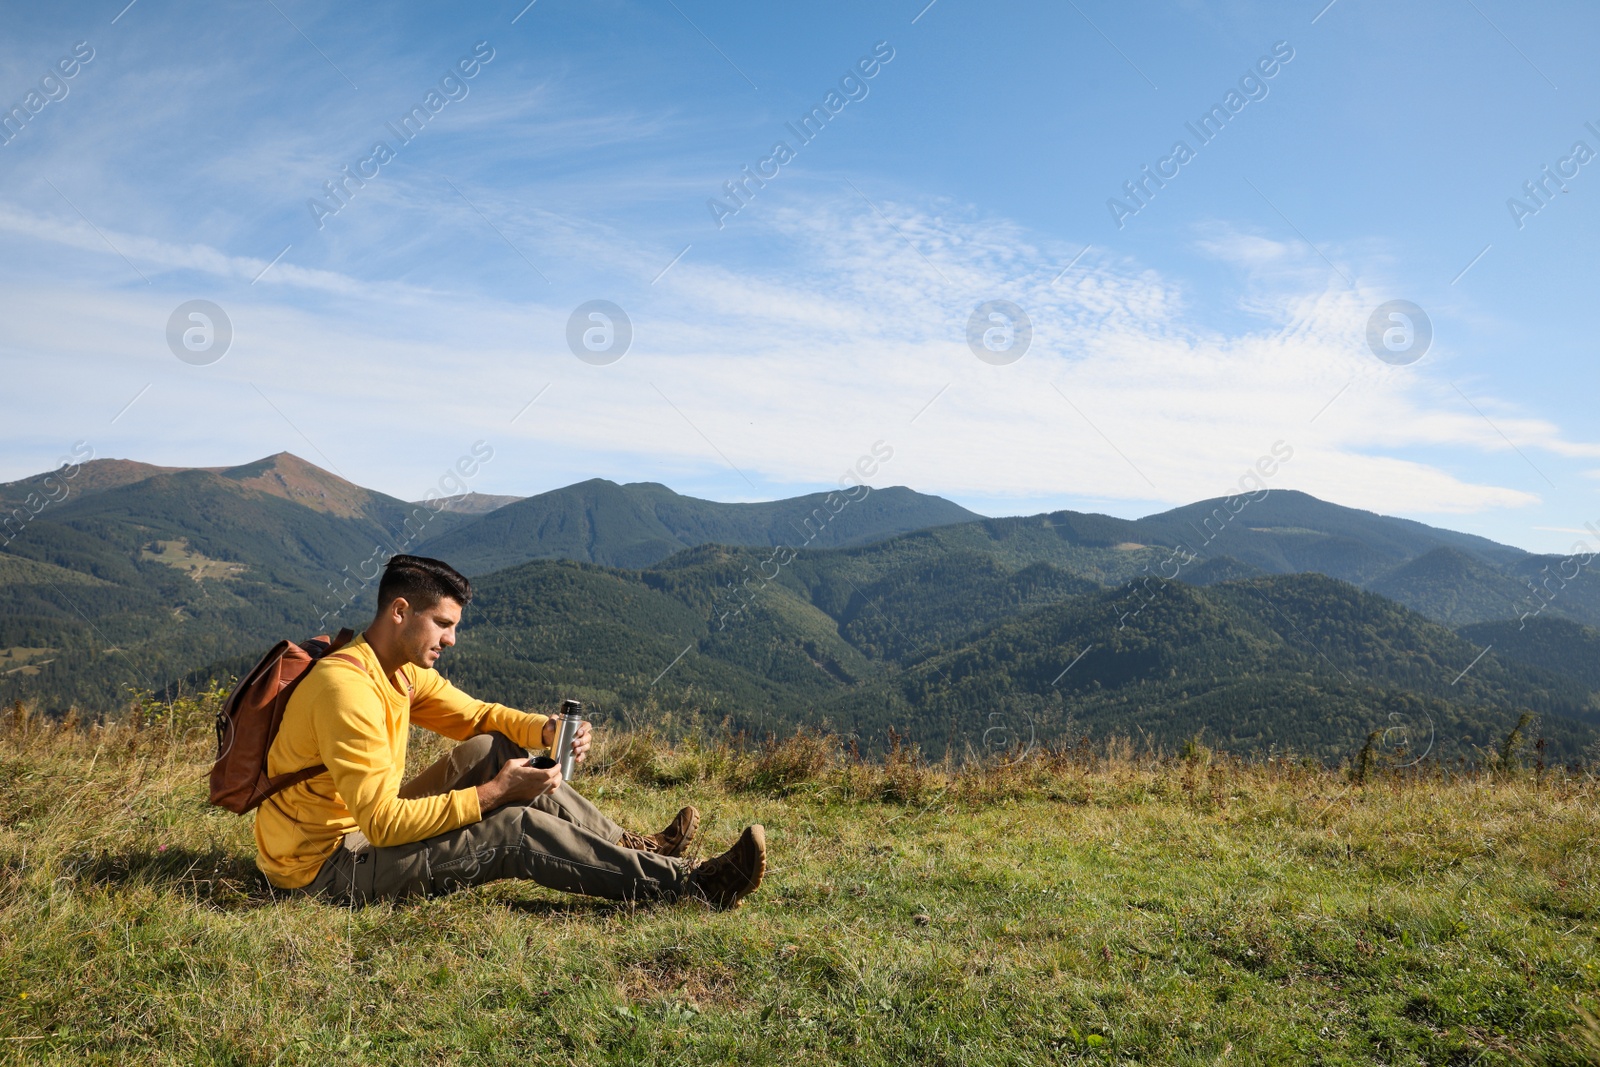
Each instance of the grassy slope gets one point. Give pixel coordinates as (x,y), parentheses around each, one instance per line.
(1108,910)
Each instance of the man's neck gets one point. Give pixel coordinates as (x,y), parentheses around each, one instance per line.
(388,657)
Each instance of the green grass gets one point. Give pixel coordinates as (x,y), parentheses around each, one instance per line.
(179,556)
(1079,906)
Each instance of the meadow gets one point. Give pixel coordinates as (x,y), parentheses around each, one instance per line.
(1085,903)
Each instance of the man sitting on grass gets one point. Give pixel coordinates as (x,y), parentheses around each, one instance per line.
(355,834)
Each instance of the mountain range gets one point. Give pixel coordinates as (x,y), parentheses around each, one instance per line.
(642,523)
(1275,621)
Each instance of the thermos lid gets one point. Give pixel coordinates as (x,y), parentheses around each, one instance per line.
(572,707)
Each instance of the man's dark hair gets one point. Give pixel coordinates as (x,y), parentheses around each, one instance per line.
(423,582)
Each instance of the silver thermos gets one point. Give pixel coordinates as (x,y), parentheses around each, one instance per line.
(568,719)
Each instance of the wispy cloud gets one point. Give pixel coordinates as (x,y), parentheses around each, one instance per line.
(795,369)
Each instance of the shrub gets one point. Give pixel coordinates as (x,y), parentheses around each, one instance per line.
(781,766)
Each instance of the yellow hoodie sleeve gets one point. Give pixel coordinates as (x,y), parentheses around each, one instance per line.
(439,706)
(354,740)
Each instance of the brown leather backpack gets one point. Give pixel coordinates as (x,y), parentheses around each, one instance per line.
(250,719)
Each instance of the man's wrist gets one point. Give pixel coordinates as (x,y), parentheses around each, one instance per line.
(490,795)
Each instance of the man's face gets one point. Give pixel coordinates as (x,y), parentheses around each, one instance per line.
(425,634)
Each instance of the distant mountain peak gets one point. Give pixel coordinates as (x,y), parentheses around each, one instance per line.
(471,503)
(286,475)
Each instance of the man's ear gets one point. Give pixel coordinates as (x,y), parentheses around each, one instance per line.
(398,609)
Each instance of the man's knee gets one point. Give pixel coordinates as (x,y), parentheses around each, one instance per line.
(494,743)
(480,757)
(477,748)
(503,748)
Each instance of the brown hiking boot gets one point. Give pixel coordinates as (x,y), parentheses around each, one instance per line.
(669,842)
(725,880)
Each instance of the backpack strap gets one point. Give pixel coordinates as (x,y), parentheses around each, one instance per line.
(284,781)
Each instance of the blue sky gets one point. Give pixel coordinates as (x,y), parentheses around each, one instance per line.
(774,345)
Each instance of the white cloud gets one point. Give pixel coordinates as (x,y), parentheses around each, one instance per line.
(1241,249)
(791,370)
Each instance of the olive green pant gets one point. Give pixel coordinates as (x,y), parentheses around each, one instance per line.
(559,840)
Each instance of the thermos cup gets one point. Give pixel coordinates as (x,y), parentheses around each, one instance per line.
(541,763)
(568,719)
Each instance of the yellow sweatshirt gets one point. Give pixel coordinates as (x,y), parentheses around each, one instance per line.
(356,722)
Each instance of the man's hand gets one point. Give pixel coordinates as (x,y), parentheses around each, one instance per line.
(517,783)
(580,745)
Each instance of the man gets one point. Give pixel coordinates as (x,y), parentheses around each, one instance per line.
(355,834)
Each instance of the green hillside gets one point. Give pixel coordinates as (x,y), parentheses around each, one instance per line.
(1301,663)
(1559,646)
(1288,530)
(1453,578)
(968,634)
(1452,587)
(642,523)
(959,652)
(1219,569)
(545,630)
(1566,587)
(145,579)
(935,604)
